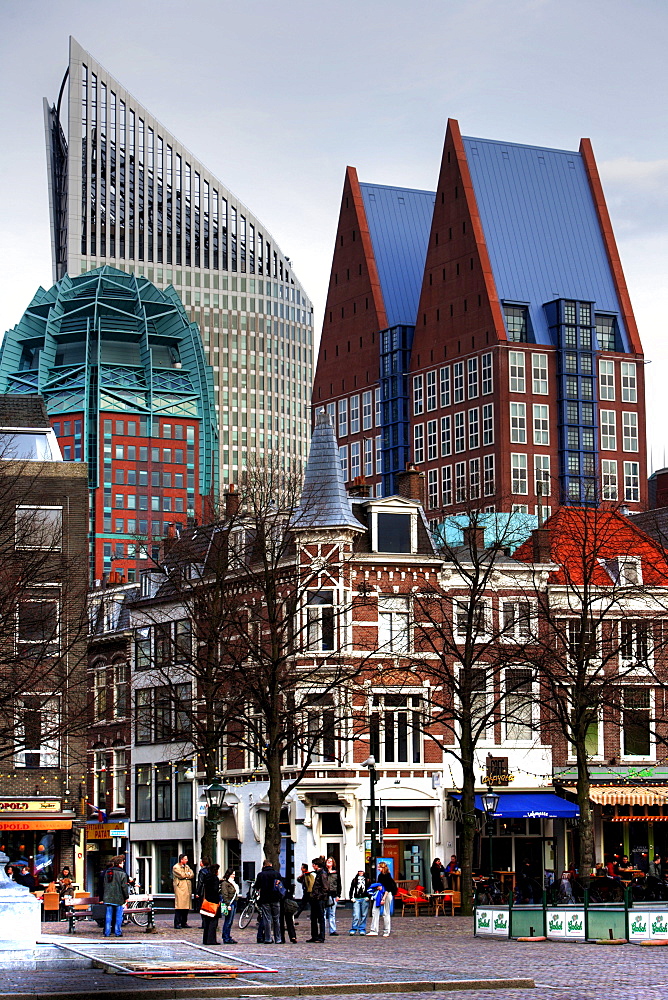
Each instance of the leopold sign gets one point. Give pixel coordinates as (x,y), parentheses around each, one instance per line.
(21,806)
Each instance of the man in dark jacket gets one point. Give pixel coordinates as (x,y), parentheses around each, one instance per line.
(270,901)
(115,895)
(319,896)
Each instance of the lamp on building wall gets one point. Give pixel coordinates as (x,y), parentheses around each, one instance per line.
(370,762)
(490,803)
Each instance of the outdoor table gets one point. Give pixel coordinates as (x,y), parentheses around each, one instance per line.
(439,899)
(507,876)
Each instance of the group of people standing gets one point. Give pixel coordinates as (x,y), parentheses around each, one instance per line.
(220,895)
(325,892)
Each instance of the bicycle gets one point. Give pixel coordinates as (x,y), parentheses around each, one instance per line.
(251,908)
(137,900)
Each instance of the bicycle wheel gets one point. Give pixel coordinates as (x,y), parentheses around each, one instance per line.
(140,919)
(246,915)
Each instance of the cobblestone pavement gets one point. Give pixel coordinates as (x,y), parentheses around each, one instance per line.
(422,948)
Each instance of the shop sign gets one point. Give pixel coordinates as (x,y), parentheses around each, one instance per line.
(659,926)
(500,923)
(556,923)
(20,806)
(575,923)
(483,921)
(104,831)
(35,824)
(638,926)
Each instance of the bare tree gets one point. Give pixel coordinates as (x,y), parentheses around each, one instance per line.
(598,640)
(43,623)
(470,627)
(264,651)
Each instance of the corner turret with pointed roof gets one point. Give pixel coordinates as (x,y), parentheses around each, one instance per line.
(324,501)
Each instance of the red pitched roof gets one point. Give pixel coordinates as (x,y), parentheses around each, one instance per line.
(583,540)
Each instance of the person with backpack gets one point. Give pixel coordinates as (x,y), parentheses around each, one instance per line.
(334,881)
(306,880)
(114,896)
(319,897)
(271,889)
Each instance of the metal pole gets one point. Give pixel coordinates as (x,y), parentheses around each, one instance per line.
(490,832)
(372,808)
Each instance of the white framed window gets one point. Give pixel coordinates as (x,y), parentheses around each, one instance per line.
(355,466)
(606,379)
(636,647)
(519,508)
(394,728)
(516,620)
(100,692)
(630,431)
(583,641)
(418,395)
(471,618)
(458,382)
(445,385)
(520,711)
(541,467)
(367,410)
(609,483)
(472,366)
(446,485)
(629,389)
(38,528)
(354,414)
(331,413)
(474,427)
(474,478)
(343,417)
(379,409)
(480,708)
(120,780)
(431,390)
(121,689)
(488,424)
(432,489)
(518,423)
(460,482)
(38,626)
(541,423)
(487,378)
(368,458)
(632,481)
(418,443)
(519,483)
(446,437)
(432,440)
(539,373)
(460,443)
(608,430)
(394,634)
(320,620)
(638,741)
(517,373)
(379,455)
(37,731)
(488,473)
(343,458)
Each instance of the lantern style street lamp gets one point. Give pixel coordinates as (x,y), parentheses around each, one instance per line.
(490,803)
(370,762)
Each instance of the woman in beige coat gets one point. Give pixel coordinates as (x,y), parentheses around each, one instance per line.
(182,877)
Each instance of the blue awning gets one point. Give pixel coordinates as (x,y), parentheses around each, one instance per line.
(530,805)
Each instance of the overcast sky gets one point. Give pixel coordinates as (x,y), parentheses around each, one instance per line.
(277,98)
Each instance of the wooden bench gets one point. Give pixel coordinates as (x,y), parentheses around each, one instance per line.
(83,910)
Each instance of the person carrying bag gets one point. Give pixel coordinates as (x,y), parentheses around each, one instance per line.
(210,906)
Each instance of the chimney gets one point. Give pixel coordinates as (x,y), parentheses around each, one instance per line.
(232,502)
(168,540)
(359,488)
(540,538)
(410,483)
(474,538)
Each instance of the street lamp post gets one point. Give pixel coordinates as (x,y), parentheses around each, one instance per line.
(490,803)
(215,796)
(370,762)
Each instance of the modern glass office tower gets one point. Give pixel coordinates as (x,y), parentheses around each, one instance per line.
(124,191)
(127,389)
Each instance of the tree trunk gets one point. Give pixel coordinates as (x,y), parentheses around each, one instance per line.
(468,823)
(272,833)
(585,829)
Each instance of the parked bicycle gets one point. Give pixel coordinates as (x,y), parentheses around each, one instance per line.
(252,907)
(137,900)
(490,892)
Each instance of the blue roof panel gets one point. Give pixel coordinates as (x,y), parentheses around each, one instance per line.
(399,222)
(541,228)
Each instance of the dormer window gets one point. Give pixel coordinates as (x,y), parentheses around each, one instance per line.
(625,571)
(394,533)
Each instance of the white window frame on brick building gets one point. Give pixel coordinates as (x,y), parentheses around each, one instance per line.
(397,726)
(489,484)
(519,473)
(609,480)
(418,395)
(444,378)
(343,418)
(606,379)
(418,443)
(518,423)
(446,436)
(541,473)
(517,371)
(472,367)
(630,431)
(431,390)
(458,382)
(394,628)
(460,433)
(628,380)
(539,374)
(474,428)
(487,375)
(432,440)
(367,410)
(608,430)
(488,425)
(355,414)
(632,482)
(541,424)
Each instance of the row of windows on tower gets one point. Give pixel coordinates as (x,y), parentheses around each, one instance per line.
(359,411)
(451,383)
(136,187)
(518,326)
